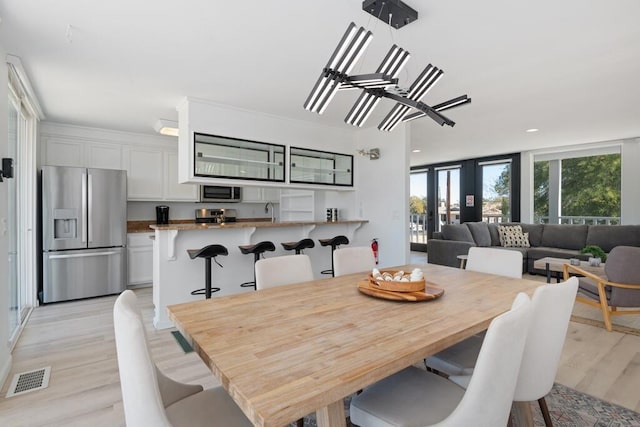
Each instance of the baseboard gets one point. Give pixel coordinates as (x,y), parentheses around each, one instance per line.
(5,370)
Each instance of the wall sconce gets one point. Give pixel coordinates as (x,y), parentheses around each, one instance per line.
(374,153)
(166,127)
(7,168)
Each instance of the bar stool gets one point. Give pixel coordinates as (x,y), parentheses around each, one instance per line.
(256,250)
(298,246)
(334,243)
(208,252)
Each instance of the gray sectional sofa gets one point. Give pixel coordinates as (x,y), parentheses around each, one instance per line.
(546,240)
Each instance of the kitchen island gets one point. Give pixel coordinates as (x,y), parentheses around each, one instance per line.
(175,275)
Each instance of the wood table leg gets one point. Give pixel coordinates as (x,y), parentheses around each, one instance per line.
(332,415)
(522,415)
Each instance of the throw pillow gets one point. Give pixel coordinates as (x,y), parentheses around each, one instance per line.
(511,236)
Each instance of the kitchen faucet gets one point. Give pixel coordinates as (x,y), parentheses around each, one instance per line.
(266,210)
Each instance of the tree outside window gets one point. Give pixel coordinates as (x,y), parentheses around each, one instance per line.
(589,187)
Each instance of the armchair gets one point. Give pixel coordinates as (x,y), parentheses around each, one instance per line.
(619,289)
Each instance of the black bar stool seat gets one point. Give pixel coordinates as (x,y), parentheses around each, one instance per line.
(208,252)
(334,243)
(298,246)
(256,250)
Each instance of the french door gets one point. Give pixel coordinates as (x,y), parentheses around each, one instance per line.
(497,191)
(15,300)
(448,184)
(21,215)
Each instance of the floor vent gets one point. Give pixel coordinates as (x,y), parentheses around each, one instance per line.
(29,381)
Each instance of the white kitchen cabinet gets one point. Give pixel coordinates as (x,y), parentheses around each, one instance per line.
(102,156)
(60,152)
(145,173)
(172,189)
(140,258)
(89,154)
(260,195)
(153,175)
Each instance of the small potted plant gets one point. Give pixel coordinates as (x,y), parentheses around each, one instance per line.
(597,253)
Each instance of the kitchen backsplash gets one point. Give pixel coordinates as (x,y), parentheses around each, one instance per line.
(146,211)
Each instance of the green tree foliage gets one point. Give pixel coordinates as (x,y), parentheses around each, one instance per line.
(541,189)
(417,205)
(591,186)
(502,187)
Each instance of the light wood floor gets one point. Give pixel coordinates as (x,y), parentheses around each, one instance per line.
(76,340)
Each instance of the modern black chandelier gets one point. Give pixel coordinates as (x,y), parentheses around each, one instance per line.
(381,84)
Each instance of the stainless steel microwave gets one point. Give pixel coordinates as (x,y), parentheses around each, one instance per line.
(220,193)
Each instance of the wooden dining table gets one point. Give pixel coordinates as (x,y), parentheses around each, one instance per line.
(285,352)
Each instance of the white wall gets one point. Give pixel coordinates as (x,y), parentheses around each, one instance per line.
(5,356)
(383,192)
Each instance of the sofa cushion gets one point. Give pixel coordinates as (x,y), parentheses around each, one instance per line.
(564,236)
(480,233)
(610,236)
(535,233)
(495,236)
(511,236)
(458,232)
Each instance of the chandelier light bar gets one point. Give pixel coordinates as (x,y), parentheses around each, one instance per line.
(413,116)
(452,103)
(381,84)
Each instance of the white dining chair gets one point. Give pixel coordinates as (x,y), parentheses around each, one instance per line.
(415,397)
(283,270)
(353,259)
(456,360)
(152,399)
(551,311)
(503,262)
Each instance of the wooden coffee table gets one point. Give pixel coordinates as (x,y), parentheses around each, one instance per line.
(550,264)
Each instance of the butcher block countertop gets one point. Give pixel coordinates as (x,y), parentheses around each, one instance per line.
(248,224)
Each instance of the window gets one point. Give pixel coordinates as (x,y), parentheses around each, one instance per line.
(418,207)
(496,190)
(578,188)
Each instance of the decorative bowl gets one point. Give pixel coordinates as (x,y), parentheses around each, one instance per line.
(397,286)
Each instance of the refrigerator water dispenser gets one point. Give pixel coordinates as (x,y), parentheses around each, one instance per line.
(65,224)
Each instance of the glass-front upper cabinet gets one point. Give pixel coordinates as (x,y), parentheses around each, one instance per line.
(320,167)
(223,157)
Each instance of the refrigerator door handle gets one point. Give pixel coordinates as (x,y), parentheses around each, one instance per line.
(84,208)
(82,255)
(90,206)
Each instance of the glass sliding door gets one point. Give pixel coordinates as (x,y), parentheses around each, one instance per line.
(448,185)
(418,210)
(15,303)
(496,191)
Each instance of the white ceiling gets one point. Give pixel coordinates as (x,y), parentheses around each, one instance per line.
(570,68)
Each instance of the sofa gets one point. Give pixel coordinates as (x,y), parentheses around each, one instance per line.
(545,240)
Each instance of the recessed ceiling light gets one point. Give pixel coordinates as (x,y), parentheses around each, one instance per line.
(532,130)
(415,151)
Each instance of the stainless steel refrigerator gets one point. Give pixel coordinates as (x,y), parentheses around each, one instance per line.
(84,232)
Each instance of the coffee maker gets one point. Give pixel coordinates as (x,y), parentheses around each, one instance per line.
(162,214)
